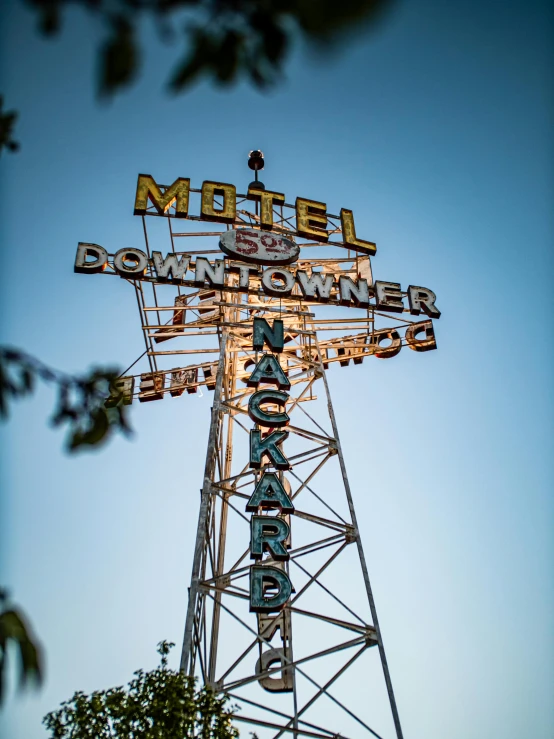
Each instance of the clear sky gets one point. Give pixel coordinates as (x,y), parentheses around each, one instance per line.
(436,130)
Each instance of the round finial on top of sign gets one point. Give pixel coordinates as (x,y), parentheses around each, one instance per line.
(256,160)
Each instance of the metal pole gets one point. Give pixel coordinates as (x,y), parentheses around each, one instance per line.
(361,554)
(220,563)
(204,509)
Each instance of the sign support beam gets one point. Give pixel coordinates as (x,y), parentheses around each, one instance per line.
(186,654)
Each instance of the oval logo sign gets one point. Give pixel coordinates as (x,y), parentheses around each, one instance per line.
(258,247)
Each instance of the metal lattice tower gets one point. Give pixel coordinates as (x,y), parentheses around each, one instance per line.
(317,667)
(218,579)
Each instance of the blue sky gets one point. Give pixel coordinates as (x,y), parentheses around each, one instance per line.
(436,130)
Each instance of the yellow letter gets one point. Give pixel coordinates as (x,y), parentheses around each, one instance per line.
(228,211)
(177,193)
(309,213)
(349,234)
(267,199)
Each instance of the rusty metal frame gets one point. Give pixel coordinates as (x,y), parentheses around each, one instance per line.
(214,583)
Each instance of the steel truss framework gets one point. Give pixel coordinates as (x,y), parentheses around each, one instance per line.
(217,584)
(282,685)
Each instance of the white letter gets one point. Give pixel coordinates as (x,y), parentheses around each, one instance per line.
(84,265)
(215,274)
(357,291)
(421,298)
(171,265)
(276,290)
(314,286)
(138,260)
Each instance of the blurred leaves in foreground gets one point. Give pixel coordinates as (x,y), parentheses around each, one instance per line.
(222,39)
(81,401)
(7,123)
(14,630)
(160,703)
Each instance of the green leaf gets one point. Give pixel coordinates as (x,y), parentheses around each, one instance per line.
(227,57)
(27,380)
(230,38)
(160,704)
(14,629)
(197,60)
(7,124)
(119,57)
(98,427)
